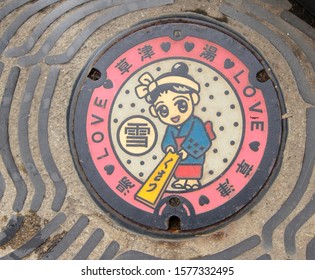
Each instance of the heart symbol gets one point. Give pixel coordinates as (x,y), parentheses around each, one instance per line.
(108,84)
(254,146)
(228,63)
(109,169)
(189,46)
(165,46)
(203,200)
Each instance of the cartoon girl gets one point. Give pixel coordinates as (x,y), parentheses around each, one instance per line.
(173,97)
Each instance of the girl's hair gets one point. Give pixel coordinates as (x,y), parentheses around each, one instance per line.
(185,85)
(154,95)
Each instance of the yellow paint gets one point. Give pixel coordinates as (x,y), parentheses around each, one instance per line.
(154,187)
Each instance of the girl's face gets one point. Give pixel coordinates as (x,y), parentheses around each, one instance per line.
(174,108)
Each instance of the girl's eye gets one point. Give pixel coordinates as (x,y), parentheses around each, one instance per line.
(163,111)
(182,105)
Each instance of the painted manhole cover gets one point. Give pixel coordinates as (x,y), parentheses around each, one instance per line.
(175,125)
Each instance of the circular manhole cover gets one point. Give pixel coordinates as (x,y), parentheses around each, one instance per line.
(175,125)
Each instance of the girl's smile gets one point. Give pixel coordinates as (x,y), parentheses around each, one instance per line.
(175,119)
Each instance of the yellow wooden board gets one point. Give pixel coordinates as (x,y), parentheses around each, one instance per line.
(154,187)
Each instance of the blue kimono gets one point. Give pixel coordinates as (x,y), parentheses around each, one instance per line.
(195,140)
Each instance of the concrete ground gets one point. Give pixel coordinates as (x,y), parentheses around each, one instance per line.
(45,210)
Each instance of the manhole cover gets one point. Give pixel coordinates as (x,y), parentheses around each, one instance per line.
(175,125)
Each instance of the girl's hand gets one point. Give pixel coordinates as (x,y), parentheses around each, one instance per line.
(170,149)
(183,154)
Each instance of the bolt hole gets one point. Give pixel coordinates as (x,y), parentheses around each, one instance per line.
(262,76)
(174,223)
(177,33)
(174,202)
(94,74)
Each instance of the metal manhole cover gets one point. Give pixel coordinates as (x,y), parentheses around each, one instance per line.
(175,125)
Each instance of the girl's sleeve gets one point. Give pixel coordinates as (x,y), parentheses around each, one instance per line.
(168,139)
(197,141)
